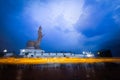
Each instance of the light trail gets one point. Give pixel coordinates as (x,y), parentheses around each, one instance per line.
(56,60)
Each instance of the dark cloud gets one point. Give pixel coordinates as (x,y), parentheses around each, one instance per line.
(94,24)
(104,24)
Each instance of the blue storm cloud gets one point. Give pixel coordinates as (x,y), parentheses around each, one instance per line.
(69,25)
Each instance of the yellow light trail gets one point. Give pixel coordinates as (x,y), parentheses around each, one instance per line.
(55,60)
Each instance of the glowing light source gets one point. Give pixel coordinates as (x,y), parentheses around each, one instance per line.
(55,60)
(23,50)
(5,50)
(88,54)
(98,52)
(83,52)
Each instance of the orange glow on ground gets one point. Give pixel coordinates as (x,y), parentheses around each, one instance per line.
(55,60)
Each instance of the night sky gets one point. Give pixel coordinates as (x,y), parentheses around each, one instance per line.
(68,25)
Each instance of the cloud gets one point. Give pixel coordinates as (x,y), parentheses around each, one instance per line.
(67,24)
(57,19)
(71,22)
(116,15)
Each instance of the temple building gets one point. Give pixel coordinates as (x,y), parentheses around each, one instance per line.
(33,50)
